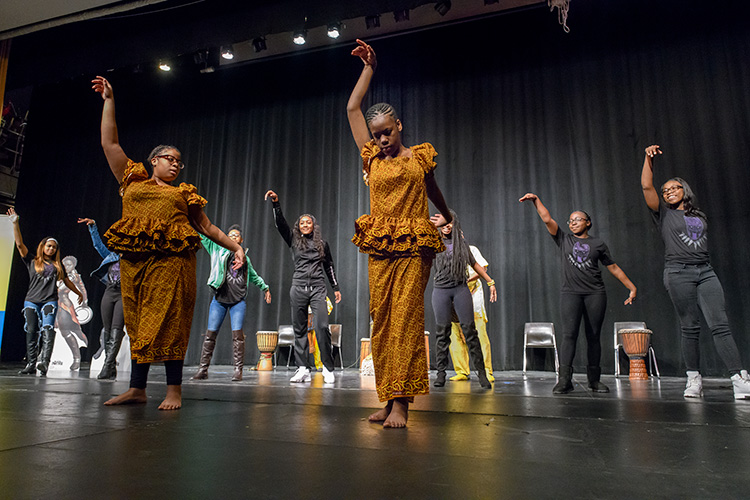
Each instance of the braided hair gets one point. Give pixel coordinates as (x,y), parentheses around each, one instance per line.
(302,242)
(381,108)
(458,260)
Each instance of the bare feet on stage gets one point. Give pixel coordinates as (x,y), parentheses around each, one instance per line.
(173,401)
(382,414)
(130,397)
(399,414)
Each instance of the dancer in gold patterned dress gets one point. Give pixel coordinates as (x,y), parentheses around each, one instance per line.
(158,236)
(401,243)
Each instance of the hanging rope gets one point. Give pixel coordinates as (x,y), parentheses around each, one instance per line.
(562,12)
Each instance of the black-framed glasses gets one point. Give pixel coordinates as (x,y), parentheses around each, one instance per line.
(669,189)
(577,219)
(172,159)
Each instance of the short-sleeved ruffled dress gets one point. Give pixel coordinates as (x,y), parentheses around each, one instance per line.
(157,269)
(401,243)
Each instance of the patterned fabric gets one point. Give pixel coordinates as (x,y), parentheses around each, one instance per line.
(399,220)
(154,217)
(158,298)
(157,269)
(401,242)
(397,288)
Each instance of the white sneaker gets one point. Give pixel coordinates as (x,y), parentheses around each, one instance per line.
(328,377)
(741,384)
(301,375)
(694,387)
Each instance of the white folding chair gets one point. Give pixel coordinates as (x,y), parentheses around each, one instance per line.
(539,335)
(631,325)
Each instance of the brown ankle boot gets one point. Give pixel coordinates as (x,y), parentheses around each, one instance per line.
(238,352)
(206,353)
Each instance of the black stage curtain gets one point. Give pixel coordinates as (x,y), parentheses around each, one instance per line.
(512,104)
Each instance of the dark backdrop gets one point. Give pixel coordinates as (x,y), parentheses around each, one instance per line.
(512,104)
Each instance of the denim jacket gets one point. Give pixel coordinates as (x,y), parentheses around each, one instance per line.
(108,256)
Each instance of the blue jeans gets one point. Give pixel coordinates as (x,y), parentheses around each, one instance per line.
(39,315)
(218,311)
(695,289)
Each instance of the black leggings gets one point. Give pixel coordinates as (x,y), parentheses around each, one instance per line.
(591,308)
(111,308)
(139,373)
(445,300)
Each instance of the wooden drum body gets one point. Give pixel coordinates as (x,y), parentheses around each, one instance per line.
(635,343)
(267,341)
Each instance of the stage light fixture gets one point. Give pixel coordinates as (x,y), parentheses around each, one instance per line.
(300,37)
(334,30)
(227,52)
(259,44)
(401,15)
(372,21)
(443,7)
(164,66)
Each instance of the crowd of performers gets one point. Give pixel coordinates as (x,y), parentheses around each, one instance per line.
(149,270)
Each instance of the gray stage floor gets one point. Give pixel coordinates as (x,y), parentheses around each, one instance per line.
(266,438)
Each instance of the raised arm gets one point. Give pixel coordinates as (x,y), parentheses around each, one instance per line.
(354,107)
(620,275)
(203,225)
(13,216)
(96,239)
(647,178)
(116,157)
(542,211)
(278,218)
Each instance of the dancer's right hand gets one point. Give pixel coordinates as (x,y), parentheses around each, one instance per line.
(12,215)
(652,151)
(270,194)
(528,197)
(366,53)
(102,87)
(89,222)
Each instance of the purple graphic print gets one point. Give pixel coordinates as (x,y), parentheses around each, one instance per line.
(580,255)
(695,232)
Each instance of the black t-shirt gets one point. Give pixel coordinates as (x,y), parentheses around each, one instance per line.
(234,288)
(685,237)
(443,278)
(113,275)
(42,286)
(579,259)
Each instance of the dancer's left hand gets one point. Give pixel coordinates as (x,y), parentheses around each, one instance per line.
(439,220)
(239,259)
(337,296)
(267,296)
(493,294)
(630,298)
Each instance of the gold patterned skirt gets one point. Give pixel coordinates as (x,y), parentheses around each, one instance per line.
(158,299)
(397,287)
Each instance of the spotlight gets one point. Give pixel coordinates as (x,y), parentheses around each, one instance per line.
(227,52)
(372,21)
(334,30)
(164,66)
(259,44)
(401,15)
(443,7)
(300,37)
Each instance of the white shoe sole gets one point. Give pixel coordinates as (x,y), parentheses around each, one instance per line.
(693,395)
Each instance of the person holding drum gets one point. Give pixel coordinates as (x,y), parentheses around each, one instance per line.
(689,278)
(312,264)
(582,295)
(230,287)
(113,321)
(40,303)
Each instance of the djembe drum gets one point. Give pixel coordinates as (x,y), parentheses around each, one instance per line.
(267,341)
(635,343)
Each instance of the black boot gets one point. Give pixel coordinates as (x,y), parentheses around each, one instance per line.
(238,353)
(442,344)
(32,348)
(594,373)
(45,352)
(475,351)
(111,350)
(72,342)
(206,353)
(564,381)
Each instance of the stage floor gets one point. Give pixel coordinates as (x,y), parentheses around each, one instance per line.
(266,438)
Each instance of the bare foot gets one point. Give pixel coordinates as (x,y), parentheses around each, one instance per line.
(130,397)
(173,401)
(381,414)
(399,414)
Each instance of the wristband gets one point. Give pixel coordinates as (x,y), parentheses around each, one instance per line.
(491,283)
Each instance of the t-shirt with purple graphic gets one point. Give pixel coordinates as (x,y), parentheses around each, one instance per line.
(234,288)
(685,237)
(579,259)
(113,275)
(42,286)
